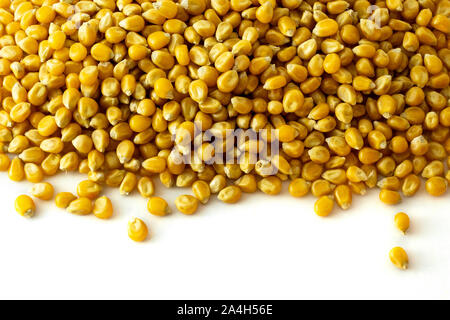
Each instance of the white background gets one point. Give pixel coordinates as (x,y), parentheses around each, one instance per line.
(261,248)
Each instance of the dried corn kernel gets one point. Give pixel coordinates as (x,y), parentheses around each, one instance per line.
(186,204)
(43,191)
(324,206)
(80,206)
(103,208)
(158,206)
(401,221)
(63,199)
(231,194)
(25,206)
(399,258)
(137,230)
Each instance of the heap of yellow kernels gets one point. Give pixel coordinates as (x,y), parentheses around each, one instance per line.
(357,92)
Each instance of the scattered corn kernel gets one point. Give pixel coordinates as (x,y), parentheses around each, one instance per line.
(186,204)
(63,199)
(324,206)
(158,206)
(25,206)
(103,208)
(137,230)
(43,191)
(399,257)
(401,221)
(80,206)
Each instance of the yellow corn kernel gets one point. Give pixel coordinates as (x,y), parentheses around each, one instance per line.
(128,184)
(399,258)
(56,40)
(287,26)
(299,187)
(83,143)
(164,89)
(201,191)
(325,28)
(47,126)
(321,187)
(158,206)
(4,162)
(146,187)
(125,151)
(167,179)
(80,206)
(69,162)
(25,206)
(101,52)
(401,221)
(137,230)
(20,112)
(33,172)
(103,208)
(198,90)
(43,191)
(275,82)
(217,184)
(63,199)
(436,186)
(264,13)
(270,185)
(356,174)
(155,164)
(16,170)
(88,189)
(411,185)
(286,133)
(324,206)
(230,194)
(390,197)
(319,154)
(247,183)
(186,204)
(343,196)
(134,23)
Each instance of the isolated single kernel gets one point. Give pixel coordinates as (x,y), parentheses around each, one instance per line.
(401,221)
(25,206)
(137,230)
(399,258)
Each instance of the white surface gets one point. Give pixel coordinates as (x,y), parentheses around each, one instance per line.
(261,248)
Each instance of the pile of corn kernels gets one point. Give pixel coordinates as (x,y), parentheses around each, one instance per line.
(356,93)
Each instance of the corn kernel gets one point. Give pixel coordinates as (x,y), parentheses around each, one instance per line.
(103,208)
(401,221)
(137,230)
(43,191)
(186,204)
(25,206)
(158,206)
(324,206)
(80,206)
(63,199)
(399,257)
